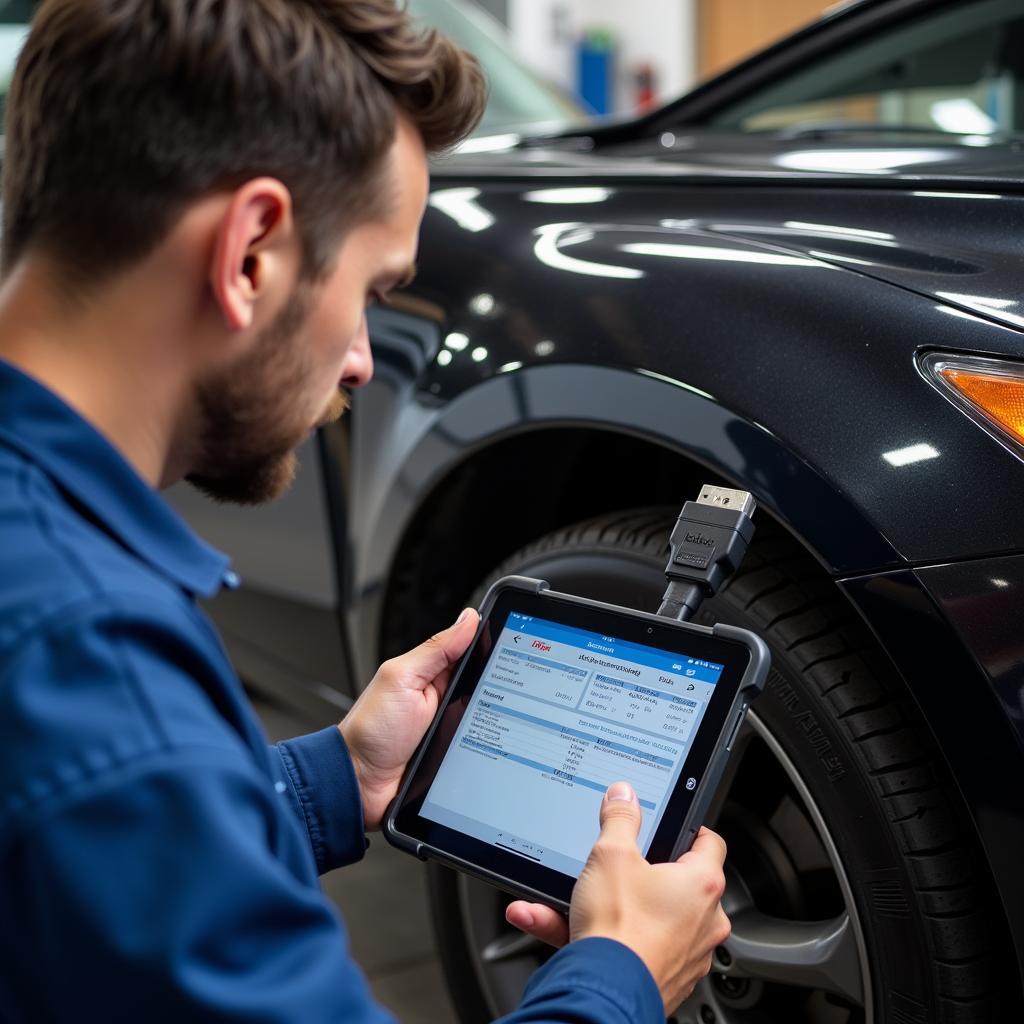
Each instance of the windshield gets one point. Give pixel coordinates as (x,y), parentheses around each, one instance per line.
(960,71)
(517,97)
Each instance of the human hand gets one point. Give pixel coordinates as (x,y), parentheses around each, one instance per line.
(393,712)
(670,915)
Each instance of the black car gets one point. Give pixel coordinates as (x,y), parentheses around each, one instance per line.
(804,279)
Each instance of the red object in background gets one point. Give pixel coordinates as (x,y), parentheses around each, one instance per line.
(643,81)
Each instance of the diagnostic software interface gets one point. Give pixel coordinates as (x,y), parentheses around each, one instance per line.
(560,714)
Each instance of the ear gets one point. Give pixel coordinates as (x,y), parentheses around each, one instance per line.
(252,249)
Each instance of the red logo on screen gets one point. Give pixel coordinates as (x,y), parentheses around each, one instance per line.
(540,646)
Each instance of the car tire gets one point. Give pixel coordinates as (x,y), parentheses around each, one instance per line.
(838,809)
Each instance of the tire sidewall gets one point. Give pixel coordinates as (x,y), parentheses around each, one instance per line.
(805,727)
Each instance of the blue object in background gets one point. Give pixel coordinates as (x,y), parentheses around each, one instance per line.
(594,70)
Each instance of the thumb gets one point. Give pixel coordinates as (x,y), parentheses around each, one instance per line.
(454,640)
(620,814)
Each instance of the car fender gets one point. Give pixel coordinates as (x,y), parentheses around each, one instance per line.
(410,447)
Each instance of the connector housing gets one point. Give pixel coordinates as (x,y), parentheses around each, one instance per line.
(708,543)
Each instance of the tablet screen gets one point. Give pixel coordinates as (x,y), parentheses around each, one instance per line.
(558,715)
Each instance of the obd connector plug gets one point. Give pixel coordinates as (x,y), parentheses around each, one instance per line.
(707,544)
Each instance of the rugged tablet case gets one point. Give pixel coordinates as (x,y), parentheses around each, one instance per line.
(750,686)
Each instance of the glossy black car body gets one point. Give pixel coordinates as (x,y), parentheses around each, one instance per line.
(601,320)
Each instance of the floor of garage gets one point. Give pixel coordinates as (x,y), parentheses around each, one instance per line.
(383,899)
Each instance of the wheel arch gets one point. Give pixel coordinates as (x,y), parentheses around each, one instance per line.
(468,546)
(528,452)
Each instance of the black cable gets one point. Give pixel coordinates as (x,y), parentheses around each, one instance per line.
(681,600)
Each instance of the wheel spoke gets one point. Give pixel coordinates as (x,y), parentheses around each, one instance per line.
(811,954)
(509,946)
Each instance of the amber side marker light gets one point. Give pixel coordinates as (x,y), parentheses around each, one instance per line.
(999,397)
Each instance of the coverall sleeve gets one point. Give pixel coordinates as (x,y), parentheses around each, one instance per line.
(158,897)
(593,981)
(325,796)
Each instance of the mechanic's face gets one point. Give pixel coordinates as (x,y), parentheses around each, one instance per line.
(294,378)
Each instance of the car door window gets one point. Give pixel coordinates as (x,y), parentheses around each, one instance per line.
(960,71)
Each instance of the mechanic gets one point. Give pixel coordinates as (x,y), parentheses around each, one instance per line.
(200,199)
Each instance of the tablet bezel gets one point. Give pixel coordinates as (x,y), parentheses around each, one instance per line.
(510,870)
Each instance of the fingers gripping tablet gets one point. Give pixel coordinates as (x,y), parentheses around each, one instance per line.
(557,698)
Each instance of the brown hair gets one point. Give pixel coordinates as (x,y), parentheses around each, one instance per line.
(122,112)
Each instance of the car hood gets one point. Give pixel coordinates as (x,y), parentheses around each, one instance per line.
(877,158)
(935,222)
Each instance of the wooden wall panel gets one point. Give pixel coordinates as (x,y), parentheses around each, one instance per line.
(729,30)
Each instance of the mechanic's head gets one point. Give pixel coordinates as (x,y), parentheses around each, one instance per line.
(273,152)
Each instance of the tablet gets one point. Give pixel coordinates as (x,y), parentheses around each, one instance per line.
(557,698)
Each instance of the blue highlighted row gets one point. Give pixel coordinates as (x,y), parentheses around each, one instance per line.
(547,662)
(601,646)
(661,695)
(578,780)
(567,731)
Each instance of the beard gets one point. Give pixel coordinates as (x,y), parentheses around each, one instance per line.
(252,416)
